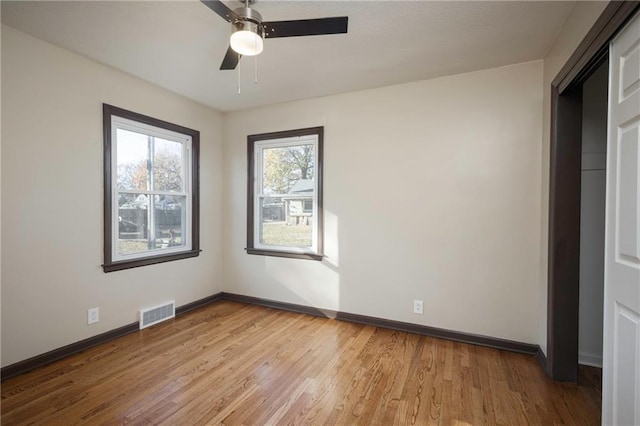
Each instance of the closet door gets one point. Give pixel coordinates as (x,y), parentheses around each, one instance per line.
(621,363)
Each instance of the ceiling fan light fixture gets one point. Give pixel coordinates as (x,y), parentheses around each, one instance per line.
(247,38)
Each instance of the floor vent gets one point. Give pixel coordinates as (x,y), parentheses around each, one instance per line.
(151,316)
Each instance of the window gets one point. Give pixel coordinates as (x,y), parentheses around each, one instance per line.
(151,200)
(284,215)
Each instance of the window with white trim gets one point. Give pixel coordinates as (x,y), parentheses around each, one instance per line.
(285,194)
(151,190)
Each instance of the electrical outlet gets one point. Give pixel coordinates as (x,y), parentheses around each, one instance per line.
(417,307)
(93,316)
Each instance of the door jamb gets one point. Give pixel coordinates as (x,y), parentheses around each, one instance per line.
(564,189)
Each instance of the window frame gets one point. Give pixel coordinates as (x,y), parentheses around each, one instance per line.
(129,120)
(255,143)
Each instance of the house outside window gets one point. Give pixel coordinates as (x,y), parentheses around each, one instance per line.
(285,194)
(151,190)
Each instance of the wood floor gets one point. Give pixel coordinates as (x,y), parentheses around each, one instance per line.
(231,363)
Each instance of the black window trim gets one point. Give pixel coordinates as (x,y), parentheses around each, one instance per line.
(251,140)
(109,265)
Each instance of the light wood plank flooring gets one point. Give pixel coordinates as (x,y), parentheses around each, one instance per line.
(231,363)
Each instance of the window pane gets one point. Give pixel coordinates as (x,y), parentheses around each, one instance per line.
(284,167)
(132,223)
(170,221)
(167,219)
(286,221)
(132,152)
(168,172)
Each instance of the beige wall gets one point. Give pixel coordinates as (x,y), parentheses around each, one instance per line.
(432,192)
(579,22)
(52,199)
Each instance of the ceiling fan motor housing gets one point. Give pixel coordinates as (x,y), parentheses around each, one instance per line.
(248,32)
(247,14)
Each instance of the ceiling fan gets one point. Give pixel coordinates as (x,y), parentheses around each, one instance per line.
(249,30)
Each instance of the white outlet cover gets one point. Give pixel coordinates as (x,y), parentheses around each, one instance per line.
(93,316)
(417,307)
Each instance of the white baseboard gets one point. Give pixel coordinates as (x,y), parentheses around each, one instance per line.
(592,360)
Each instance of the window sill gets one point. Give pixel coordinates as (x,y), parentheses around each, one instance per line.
(144,261)
(291,255)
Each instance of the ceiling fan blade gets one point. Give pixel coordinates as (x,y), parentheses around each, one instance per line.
(231,59)
(306,27)
(218,7)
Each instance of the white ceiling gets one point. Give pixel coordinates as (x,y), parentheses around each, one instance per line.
(180,45)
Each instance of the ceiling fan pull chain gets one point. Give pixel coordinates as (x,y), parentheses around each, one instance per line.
(238,74)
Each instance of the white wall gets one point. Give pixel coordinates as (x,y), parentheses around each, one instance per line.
(52,182)
(592,215)
(432,192)
(579,22)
